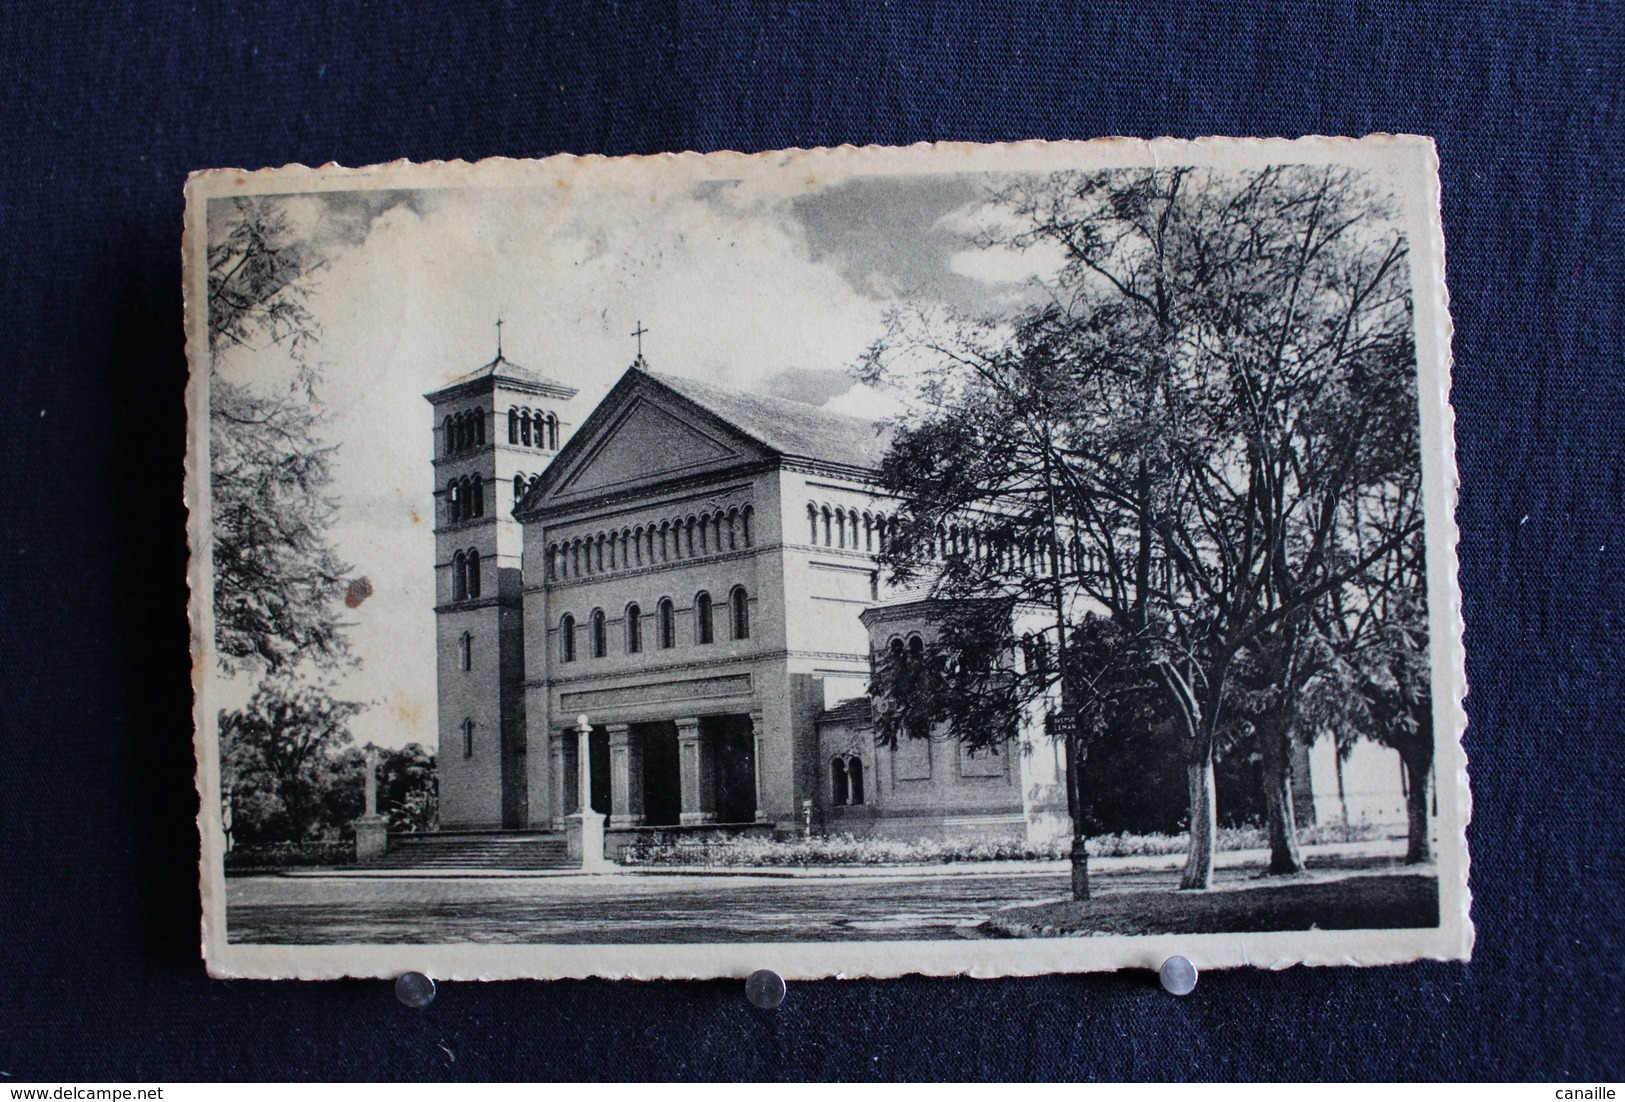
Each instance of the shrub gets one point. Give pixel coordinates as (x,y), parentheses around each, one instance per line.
(287,855)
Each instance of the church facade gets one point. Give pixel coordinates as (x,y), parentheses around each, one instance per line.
(695,571)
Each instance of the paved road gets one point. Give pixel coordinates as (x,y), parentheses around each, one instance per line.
(636,908)
(640,907)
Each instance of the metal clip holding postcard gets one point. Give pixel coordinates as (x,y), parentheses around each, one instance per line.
(1178,975)
(414,989)
(765,989)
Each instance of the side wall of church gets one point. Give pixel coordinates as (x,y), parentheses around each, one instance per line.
(921,788)
(831,538)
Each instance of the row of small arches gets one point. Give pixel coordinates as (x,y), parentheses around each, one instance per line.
(464,431)
(533,428)
(665,625)
(465,576)
(688,537)
(843,527)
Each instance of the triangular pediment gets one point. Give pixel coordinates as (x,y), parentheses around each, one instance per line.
(642,434)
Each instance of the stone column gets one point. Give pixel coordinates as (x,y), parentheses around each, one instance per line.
(625,777)
(561,782)
(372,829)
(584,840)
(759,745)
(698,768)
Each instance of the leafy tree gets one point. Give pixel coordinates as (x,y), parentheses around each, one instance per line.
(278,755)
(1182,437)
(277,578)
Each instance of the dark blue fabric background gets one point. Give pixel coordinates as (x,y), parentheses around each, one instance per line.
(105,110)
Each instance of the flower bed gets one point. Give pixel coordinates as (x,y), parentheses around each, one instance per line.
(721,851)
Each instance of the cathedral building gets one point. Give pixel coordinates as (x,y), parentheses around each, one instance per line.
(695,571)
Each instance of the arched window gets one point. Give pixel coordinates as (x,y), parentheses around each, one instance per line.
(479,427)
(452,504)
(465,651)
(479,497)
(668,624)
(451,438)
(637,545)
(739,612)
(459,577)
(702,618)
(513,424)
(868,532)
(838,791)
(600,636)
(745,516)
(829,536)
(473,574)
(540,431)
(916,647)
(567,638)
(524,427)
(468,738)
(854,780)
(840,527)
(812,523)
(634,629)
(552,432)
(518,489)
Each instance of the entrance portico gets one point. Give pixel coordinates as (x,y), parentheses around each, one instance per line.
(688,771)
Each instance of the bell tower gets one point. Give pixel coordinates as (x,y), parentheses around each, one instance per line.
(495,430)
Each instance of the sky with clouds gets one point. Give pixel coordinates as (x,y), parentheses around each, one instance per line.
(755,283)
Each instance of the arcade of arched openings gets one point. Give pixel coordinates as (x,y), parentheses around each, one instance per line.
(530,428)
(846,780)
(463,431)
(465,498)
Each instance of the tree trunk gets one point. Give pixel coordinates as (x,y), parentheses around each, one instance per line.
(1285,856)
(1419,845)
(1204,824)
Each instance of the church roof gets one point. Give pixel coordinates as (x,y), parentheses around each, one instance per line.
(787,427)
(857,712)
(509,372)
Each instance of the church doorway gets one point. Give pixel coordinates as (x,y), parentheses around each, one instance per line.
(662,783)
(734,755)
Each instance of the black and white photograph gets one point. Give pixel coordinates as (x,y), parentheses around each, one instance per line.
(987,560)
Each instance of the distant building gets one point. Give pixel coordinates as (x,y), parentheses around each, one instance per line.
(693,569)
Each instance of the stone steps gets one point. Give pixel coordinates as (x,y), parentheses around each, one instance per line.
(474,851)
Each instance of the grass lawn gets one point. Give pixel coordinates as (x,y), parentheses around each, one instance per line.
(1358,902)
